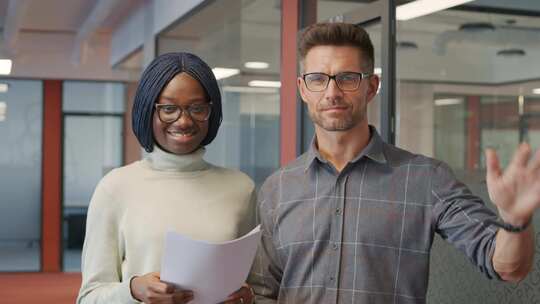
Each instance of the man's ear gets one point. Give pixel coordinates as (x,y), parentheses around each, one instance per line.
(301,88)
(373,86)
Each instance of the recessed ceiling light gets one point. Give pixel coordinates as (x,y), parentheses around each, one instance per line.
(264,84)
(5,66)
(448,101)
(424,7)
(511,53)
(4,87)
(222,73)
(253,90)
(256,65)
(474,27)
(536,91)
(407,45)
(3,108)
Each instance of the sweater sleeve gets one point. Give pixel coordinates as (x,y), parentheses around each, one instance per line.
(102,254)
(248,221)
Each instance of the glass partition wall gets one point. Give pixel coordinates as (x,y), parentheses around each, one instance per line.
(93,142)
(468,79)
(21,120)
(240,40)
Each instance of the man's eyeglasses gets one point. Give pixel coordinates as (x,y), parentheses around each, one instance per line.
(169,113)
(346,81)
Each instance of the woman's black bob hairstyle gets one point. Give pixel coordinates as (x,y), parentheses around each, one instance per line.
(154,79)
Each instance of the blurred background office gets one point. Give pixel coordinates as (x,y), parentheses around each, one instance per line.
(457,76)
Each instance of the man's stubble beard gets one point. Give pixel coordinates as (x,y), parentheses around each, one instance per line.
(345,123)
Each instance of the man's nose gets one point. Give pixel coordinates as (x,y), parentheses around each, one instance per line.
(333,91)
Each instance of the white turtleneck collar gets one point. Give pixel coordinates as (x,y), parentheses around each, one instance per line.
(165,161)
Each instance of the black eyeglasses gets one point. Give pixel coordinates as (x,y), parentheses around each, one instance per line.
(346,81)
(169,113)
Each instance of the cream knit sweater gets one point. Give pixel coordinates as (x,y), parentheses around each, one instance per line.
(133,206)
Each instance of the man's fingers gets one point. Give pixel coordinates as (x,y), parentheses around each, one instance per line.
(521,156)
(492,164)
(534,164)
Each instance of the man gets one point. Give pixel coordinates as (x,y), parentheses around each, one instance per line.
(353,219)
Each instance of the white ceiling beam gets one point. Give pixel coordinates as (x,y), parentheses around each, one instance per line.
(102,9)
(14,17)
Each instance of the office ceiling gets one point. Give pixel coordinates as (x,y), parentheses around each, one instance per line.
(62,15)
(442,47)
(64,32)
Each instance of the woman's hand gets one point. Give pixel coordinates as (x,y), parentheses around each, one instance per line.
(243,295)
(151,290)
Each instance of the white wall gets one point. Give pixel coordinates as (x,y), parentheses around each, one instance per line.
(415,117)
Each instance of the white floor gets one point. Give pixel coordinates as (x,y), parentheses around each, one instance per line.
(72,260)
(16,256)
(26,258)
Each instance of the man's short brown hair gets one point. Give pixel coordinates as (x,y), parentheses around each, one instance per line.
(336,34)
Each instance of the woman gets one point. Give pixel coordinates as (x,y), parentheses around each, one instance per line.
(176,112)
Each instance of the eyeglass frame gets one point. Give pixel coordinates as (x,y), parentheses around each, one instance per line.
(183,109)
(330,77)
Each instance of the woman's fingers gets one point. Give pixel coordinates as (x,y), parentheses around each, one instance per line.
(161,287)
(183,296)
(149,289)
(243,295)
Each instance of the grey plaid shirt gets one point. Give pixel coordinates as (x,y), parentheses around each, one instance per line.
(363,235)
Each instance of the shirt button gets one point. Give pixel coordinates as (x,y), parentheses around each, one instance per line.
(335,247)
(331,279)
(338,211)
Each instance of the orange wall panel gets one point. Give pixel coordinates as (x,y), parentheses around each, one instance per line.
(51,176)
(288,111)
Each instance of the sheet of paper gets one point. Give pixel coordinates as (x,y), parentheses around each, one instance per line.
(211,270)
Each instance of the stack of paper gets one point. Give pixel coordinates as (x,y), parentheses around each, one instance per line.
(211,270)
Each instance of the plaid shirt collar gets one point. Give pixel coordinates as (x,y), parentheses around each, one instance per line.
(374,150)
